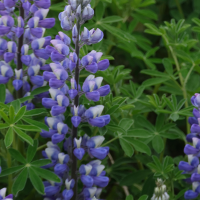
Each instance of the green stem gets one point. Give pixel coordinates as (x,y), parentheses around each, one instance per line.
(41,147)
(172,187)
(179,8)
(162,153)
(180,78)
(110,141)
(9,164)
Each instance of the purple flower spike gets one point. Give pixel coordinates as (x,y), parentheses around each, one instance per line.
(94,96)
(19,31)
(89,192)
(48,75)
(48,134)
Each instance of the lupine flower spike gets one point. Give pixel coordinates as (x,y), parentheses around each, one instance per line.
(62,75)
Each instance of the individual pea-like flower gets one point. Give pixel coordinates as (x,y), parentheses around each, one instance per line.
(92,63)
(93,89)
(160,191)
(79,152)
(18,82)
(94,118)
(6,72)
(3,195)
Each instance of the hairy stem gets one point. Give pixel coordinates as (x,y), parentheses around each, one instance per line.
(74,129)
(20,44)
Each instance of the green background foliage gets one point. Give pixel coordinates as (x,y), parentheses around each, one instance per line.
(153,48)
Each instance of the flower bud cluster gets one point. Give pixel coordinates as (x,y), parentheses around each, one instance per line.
(193,151)
(160,191)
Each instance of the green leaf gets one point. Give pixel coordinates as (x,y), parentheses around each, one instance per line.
(4,106)
(154,73)
(139,132)
(168,65)
(152,29)
(20,182)
(196,21)
(11,170)
(2,126)
(174,116)
(111,19)
(134,177)
(129,197)
(99,11)
(40,90)
(143,197)
(31,151)
(36,111)
(128,149)
(28,127)
(17,156)
(9,137)
(112,109)
(119,33)
(20,114)
(158,144)
(2,93)
(11,114)
(5,117)
(46,174)
(126,123)
(154,81)
(36,181)
(115,128)
(36,123)
(16,105)
(140,146)
(40,163)
(23,135)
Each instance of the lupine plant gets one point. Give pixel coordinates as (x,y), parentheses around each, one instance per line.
(73,128)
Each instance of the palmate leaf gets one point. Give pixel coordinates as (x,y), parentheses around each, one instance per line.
(40,163)
(127,147)
(129,197)
(36,111)
(20,114)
